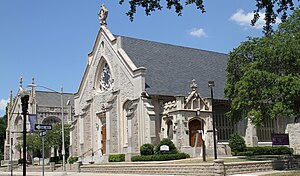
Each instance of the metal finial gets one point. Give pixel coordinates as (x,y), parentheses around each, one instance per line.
(32,80)
(103,13)
(21,81)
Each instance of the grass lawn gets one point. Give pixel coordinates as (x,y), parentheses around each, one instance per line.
(209,160)
(290,173)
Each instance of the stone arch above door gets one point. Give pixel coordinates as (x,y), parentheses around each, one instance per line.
(51,120)
(195,124)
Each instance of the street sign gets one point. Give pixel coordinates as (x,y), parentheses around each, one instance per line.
(43,133)
(43,127)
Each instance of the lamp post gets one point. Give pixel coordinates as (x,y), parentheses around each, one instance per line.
(24,100)
(211,84)
(62,119)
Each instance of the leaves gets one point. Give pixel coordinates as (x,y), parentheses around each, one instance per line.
(53,137)
(272,9)
(263,76)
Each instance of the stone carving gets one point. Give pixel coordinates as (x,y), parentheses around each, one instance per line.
(170,105)
(194,96)
(131,108)
(103,13)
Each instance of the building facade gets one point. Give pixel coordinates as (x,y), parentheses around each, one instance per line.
(135,91)
(44,107)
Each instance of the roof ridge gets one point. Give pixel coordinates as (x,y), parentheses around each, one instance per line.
(169,44)
(44,91)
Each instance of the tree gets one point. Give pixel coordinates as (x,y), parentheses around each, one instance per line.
(53,137)
(263,75)
(272,8)
(2,133)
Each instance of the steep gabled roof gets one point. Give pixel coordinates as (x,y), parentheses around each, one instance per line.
(52,99)
(170,69)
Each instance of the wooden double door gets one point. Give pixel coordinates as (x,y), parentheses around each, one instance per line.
(103,140)
(194,126)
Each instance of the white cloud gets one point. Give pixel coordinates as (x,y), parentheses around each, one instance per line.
(198,32)
(244,19)
(3,104)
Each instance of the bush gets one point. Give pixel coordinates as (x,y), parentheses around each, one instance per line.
(168,142)
(246,153)
(21,161)
(72,159)
(116,158)
(54,159)
(160,157)
(269,150)
(147,149)
(236,143)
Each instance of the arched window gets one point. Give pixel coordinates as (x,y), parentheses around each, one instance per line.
(170,129)
(105,79)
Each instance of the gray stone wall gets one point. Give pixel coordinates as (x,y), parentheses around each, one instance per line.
(114,130)
(294,136)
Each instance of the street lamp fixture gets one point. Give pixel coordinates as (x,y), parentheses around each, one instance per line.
(211,84)
(24,94)
(63,152)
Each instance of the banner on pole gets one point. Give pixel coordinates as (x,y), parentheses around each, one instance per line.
(32,120)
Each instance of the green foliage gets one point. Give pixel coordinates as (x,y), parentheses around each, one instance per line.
(2,134)
(147,149)
(168,142)
(263,75)
(116,158)
(236,143)
(272,9)
(267,150)
(34,142)
(72,159)
(53,137)
(160,157)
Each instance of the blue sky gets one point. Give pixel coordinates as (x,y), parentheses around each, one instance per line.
(50,40)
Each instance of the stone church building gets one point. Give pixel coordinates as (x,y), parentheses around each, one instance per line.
(135,91)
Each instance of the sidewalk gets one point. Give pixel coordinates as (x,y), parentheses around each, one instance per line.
(71,174)
(106,174)
(259,173)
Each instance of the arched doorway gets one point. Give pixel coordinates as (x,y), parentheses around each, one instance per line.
(195,125)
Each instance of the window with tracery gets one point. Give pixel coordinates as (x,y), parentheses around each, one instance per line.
(105,78)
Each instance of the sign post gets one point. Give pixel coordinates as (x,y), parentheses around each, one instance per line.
(42,132)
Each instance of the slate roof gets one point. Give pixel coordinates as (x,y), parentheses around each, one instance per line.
(44,98)
(171,69)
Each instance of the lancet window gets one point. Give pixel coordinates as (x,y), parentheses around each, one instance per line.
(105,80)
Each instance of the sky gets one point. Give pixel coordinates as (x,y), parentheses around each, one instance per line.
(50,40)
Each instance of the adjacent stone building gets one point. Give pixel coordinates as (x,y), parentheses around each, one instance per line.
(44,107)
